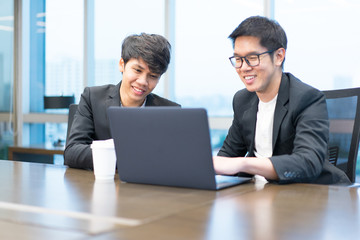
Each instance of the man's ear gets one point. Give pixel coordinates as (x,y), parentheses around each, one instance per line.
(280,56)
(121,65)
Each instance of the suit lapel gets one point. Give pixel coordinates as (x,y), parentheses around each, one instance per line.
(113,98)
(280,109)
(149,100)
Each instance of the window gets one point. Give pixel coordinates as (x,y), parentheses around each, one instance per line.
(6,75)
(53,56)
(322,41)
(204,76)
(63,58)
(115,20)
(64,48)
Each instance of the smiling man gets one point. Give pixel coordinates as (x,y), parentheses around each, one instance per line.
(144,58)
(280,128)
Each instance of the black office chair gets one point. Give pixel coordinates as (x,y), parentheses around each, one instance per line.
(344,115)
(58,102)
(72,111)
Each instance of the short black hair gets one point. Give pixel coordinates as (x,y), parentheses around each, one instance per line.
(271,35)
(154,49)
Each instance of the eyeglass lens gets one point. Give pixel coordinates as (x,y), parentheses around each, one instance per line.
(251,60)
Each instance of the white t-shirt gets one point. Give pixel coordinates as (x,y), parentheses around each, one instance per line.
(264,128)
(142,106)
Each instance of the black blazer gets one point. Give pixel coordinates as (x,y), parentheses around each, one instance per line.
(300,133)
(91,122)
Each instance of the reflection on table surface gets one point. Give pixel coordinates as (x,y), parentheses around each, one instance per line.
(48,200)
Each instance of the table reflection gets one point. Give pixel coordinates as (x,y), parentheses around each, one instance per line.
(275,212)
(103,203)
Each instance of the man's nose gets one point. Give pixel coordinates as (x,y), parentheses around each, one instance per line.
(142,79)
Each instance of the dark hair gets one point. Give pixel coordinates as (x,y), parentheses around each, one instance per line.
(152,48)
(271,35)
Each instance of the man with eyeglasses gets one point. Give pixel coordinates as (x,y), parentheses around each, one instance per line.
(280,128)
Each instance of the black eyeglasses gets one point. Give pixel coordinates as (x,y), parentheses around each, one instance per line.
(252,60)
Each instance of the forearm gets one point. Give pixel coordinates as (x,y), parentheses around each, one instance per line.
(78,156)
(250,165)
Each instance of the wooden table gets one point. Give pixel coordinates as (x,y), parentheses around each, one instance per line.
(43,201)
(40,153)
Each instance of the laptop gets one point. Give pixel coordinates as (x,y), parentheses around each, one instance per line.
(166,146)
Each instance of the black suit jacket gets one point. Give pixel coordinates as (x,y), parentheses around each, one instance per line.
(91,122)
(300,133)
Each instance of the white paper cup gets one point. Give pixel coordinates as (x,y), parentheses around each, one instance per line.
(104,159)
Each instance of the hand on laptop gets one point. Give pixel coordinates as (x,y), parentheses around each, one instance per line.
(227,165)
(251,165)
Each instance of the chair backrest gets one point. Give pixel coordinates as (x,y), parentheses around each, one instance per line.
(72,111)
(58,102)
(344,116)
